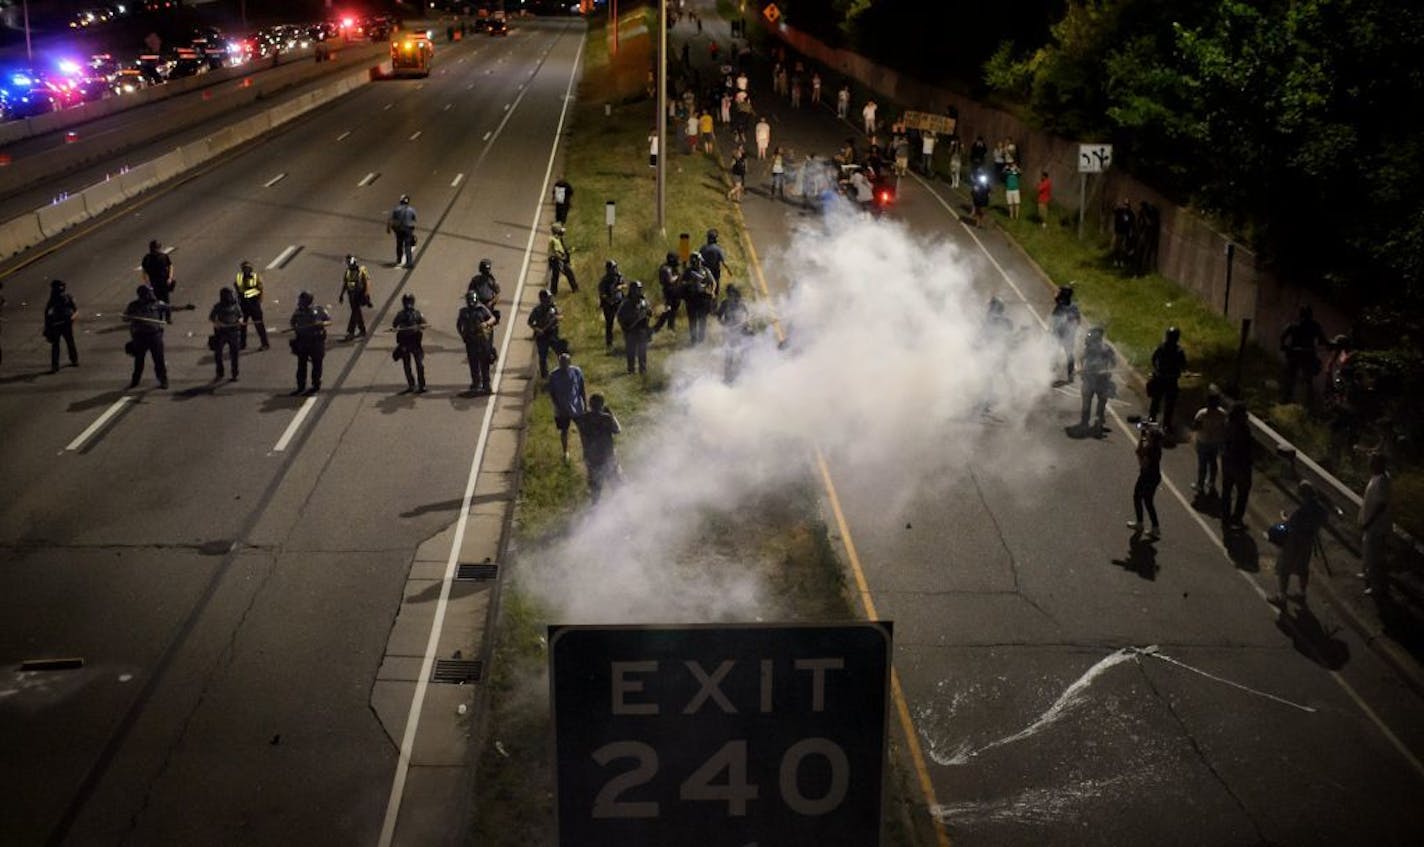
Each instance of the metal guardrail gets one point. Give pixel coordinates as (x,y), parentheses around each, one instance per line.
(1324,481)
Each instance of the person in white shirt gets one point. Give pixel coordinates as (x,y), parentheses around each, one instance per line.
(868,113)
(1375,527)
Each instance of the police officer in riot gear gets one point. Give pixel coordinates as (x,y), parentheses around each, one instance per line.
(713,258)
(355,287)
(59,324)
(402,224)
(559,260)
(634,315)
(249,298)
(669,274)
(476,327)
(1098,363)
(610,295)
(409,325)
(1064,322)
(309,323)
(699,292)
(735,318)
(544,320)
(145,320)
(1168,362)
(226,318)
(484,286)
(157,267)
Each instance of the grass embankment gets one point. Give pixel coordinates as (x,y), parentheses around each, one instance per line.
(1136,310)
(606,158)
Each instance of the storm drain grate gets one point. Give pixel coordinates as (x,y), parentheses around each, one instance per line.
(482,571)
(457,671)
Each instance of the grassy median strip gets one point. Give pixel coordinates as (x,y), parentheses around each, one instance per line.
(778,535)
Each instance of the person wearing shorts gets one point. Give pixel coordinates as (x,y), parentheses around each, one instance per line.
(1011,189)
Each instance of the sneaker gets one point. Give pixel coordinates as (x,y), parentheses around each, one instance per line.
(133,383)
(299,391)
(232,378)
(163,386)
(420,390)
(1135,526)
(314,389)
(1154,532)
(1277,600)
(265,347)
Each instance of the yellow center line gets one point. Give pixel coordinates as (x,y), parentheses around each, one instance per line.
(862,585)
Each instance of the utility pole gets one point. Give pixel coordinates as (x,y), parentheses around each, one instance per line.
(662,119)
(29,54)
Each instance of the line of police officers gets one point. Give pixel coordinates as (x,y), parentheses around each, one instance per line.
(240,305)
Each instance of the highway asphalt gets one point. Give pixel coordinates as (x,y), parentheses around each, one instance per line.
(229,568)
(1066,684)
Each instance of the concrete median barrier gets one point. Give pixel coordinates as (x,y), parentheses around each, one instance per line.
(57,217)
(102,196)
(169,165)
(19,234)
(139,179)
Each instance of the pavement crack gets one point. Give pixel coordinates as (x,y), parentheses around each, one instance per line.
(1003,542)
(222,660)
(1202,757)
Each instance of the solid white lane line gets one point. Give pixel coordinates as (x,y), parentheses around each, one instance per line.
(414,135)
(274,180)
(367,179)
(99,424)
(342,136)
(388,828)
(282,257)
(487,135)
(1131,433)
(295,425)
(456,181)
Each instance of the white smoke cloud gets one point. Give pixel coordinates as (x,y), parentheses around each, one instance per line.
(886,367)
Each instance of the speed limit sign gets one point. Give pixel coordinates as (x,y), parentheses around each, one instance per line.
(720,735)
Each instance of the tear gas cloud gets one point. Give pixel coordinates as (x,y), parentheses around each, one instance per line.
(887,364)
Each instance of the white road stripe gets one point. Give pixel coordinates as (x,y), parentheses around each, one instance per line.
(295,425)
(487,135)
(274,180)
(414,135)
(99,424)
(456,181)
(388,827)
(342,136)
(283,256)
(367,179)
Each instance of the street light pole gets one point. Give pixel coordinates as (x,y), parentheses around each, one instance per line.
(29,55)
(662,118)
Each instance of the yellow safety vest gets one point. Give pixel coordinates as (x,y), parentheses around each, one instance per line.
(249,287)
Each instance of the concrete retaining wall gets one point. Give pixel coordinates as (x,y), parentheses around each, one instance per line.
(19,234)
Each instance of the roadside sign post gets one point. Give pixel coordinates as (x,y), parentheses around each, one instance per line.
(1092,159)
(661,111)
(719,735)
(610,213)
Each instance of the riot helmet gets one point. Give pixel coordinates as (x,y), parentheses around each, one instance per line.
(486,266)
(305,299)
(408,300)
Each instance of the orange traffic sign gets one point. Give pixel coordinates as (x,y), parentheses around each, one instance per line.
(771,13)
